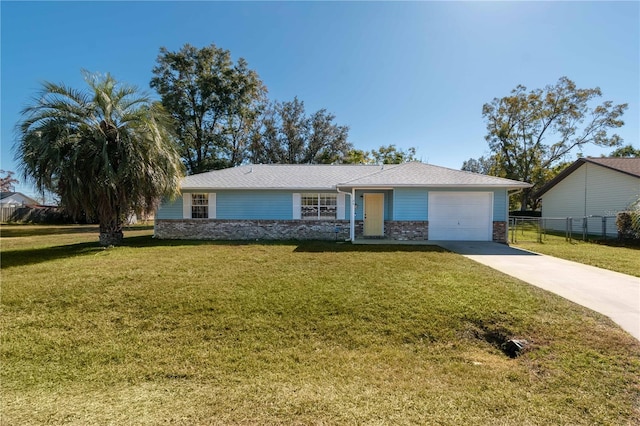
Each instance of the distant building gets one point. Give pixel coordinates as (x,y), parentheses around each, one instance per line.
(590,189)
(16,199)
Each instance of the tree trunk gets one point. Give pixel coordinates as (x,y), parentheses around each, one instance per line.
(524,200)
(111,234)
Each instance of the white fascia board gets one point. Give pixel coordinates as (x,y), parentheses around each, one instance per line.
(376,187)
(342,186)
(479,185)
(260,188)
(462,186)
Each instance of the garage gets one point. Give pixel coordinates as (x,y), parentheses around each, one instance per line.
(460,216)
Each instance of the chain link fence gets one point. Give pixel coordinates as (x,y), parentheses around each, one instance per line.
(581,228)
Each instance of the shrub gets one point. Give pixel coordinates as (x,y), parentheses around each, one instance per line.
(628,224)
(525,213)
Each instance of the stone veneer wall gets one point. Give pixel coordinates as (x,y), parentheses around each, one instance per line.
(500,232)
(405,230)
(219,229)
(410,230)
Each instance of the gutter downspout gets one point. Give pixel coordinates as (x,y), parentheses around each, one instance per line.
(517,191)
(352,217)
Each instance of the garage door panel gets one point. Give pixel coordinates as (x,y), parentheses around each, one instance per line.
(460,216)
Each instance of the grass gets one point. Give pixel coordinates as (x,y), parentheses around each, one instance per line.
(185,332)
(608,254)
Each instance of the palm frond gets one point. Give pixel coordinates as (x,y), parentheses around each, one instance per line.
(106,151)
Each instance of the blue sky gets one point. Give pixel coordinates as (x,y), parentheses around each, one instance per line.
(409,74)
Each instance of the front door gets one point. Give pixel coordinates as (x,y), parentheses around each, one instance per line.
(373,215)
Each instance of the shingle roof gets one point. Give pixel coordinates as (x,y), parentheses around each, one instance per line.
(19,197)
(628,166)
(329,177)
(420,174)
(4,195)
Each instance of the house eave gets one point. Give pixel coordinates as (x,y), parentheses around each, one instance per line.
(447,185)
(349,186)
(257,188)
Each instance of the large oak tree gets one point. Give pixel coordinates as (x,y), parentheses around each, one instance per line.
(532,133)
(287,135)
(214,103)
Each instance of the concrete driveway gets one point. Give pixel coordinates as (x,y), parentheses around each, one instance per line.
(610,293)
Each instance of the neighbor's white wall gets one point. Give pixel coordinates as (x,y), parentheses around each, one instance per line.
(609,191)
(567,197)
(591,190)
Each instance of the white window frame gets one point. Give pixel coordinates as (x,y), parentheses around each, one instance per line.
(199,206)
(199,199)
(319,203)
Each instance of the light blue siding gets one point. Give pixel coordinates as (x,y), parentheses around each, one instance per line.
(500,205)
(272,205)
(410,203)
(170,209)
(399,204)
(347,207)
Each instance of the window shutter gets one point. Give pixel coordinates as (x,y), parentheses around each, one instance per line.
(212,205)
(341,206)
(186,205)
(297,206)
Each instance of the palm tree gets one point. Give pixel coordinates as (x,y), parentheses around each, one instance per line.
(106,152)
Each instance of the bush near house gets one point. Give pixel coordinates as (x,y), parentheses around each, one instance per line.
(525,213)
(628,224)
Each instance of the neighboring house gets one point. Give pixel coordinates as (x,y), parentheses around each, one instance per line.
(16,199)
(410,201)
(588,190)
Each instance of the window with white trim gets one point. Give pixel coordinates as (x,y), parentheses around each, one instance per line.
(318,206)
(199,206)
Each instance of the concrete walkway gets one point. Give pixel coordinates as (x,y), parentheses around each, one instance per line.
(611,293)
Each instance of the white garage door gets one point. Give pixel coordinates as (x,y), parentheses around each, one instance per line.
(460,216)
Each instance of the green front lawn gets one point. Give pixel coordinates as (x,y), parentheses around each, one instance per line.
(606,254)
(171,332)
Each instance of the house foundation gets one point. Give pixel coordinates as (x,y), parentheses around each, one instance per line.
(336,230)
(220,229)
(500,231)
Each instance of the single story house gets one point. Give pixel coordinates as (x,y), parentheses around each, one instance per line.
(591,192)
(16,199)
(409,201)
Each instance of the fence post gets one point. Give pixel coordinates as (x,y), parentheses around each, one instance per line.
(511,227)
(604,227)
(539,223)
